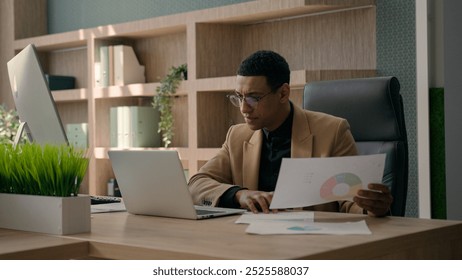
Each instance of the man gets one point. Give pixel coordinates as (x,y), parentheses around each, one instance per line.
(244,172)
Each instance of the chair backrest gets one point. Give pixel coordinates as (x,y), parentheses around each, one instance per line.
(374,109)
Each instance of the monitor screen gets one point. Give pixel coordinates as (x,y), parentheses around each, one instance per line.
(34,103)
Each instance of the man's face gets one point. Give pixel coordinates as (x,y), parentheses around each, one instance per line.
(264,113)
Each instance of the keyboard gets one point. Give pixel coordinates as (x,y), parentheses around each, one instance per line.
(96,199)
(207,212)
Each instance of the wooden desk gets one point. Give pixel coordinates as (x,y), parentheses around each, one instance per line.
(26,245)
(125,236)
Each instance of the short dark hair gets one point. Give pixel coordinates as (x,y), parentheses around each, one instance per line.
(269,64)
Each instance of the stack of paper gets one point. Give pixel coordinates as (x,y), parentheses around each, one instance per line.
(297,223)
(311,181)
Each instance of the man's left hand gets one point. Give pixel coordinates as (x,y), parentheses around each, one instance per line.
(376,200)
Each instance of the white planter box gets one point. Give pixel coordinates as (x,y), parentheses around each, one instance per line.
(45,214)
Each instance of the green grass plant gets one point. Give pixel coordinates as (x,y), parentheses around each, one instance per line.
(42,170)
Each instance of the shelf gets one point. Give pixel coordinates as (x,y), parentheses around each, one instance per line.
(70,95)
(270,10)
(180,115)
(156,53)
(134,90)
(101,152)
(321,40)
(66,62)
(221,83)
(341,40)
(53,42)
(298,78)
(217,114)
(73,112)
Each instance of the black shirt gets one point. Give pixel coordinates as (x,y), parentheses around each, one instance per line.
(275,146)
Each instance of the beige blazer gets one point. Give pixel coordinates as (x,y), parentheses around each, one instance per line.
(237,162)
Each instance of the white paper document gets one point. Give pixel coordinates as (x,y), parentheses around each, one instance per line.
(310,181)
(280,227)
(293,216)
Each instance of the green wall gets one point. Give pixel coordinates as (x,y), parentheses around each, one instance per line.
(396,56)
(437,154)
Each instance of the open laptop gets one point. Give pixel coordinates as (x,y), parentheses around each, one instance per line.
(152,182)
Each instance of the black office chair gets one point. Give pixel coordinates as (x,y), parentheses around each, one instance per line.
(374,110)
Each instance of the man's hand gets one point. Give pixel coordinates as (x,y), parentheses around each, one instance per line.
(376,200)
(254,201)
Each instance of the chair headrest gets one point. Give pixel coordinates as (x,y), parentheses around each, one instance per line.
(372,106)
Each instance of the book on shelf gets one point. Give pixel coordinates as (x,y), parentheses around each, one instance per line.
(134,126)
(118,65)
(117,115)
(103,74)
(77,134)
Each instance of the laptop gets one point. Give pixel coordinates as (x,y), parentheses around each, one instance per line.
(152,182)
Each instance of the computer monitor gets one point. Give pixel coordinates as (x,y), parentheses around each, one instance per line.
(34,103)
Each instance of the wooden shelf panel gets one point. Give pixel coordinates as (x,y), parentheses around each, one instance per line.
(267,10)
(343,40)
(218,84)
(52,42)
(158,26)
(298,78)
(70,95)
(67,62)
(243,13)
(101,152)
(158,54)
(135,90)
(180,115)
(217,114)
(73,112)
(302,77)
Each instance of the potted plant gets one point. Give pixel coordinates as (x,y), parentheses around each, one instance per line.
(39,188)
(163,101)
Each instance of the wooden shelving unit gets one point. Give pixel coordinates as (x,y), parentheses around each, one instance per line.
(320,39)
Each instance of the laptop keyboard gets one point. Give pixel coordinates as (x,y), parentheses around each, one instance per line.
(95,199)
(206,212)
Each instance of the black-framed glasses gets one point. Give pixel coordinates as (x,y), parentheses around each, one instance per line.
(251,100)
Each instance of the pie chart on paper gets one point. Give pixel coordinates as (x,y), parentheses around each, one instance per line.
(341,186)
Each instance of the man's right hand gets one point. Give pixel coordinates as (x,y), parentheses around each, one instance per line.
(255,201)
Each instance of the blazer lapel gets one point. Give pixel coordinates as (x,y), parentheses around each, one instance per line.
(251,164)
(302,139)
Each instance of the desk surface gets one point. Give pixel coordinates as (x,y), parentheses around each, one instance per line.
(27,245)
(125,236)
(221,238)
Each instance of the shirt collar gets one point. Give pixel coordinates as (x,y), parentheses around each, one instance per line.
(284,130)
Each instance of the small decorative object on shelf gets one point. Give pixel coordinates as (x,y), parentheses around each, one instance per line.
(163,101)
(39,188)
(58,82)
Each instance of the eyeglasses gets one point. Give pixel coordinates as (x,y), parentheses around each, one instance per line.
(237,99)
